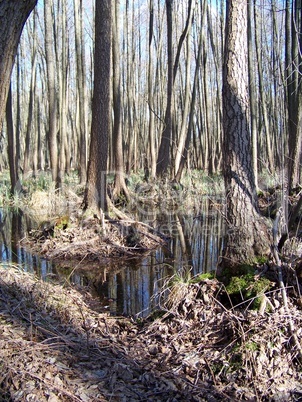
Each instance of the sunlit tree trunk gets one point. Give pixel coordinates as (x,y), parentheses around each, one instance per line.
(63,68)
(27,164)
(252,92)
(190,128)
(151,128)
(81,87)
(263,103)
(12,160)
(247,235)
(117,137)
(52,96)
(95,196)
(185,112)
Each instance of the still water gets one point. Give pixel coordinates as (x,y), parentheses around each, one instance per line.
(121,286)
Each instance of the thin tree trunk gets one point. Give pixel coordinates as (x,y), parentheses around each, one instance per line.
(81,87)
(119,180)
(29,128)
(52,96)
(252,89)
(11,151)
(184,155)
(152,150)
(163,158)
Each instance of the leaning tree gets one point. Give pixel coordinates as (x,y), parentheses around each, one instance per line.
(248,235)
(13,15)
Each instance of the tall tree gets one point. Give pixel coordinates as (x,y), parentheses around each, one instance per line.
(117,137)
(163,158)
(184,154)
(52,95)
(151,136)
(13,15)
(27,164)
(81,86)
(293,68)
(95,196)
(247,235)
(11,143)
(184,120)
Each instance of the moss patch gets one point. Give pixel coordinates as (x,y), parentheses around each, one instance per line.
(247,287)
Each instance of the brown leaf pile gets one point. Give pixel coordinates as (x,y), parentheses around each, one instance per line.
(54,347)
(90,240)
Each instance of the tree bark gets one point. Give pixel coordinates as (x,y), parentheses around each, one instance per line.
(81,87)
(293,70)
(117,138)
(95,196)
(52,96)
(163,158)
(247,234)
(27,160)
(13,15)
(12,161)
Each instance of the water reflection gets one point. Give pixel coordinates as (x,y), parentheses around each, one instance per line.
(14,226)
(123,286)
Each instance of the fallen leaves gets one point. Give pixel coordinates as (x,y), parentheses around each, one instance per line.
(54,347)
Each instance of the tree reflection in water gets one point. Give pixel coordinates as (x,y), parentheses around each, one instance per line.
(129,286)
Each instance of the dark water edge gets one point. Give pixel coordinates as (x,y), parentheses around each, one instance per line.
(125,287)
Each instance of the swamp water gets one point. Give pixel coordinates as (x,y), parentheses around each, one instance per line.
(123,286)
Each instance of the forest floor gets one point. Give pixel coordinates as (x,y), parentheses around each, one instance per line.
(56,344)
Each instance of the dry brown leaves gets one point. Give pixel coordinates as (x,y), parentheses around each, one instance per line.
(54,347)
(87,240)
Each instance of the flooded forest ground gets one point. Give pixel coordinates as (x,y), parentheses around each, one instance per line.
(199,339)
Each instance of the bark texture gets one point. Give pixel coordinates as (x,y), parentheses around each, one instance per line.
(96,194)
(247,235)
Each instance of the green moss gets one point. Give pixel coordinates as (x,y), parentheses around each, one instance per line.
(252,346)
(62,223)
(246,287)
(202,277)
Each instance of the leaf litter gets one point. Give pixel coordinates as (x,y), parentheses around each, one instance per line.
(54,346)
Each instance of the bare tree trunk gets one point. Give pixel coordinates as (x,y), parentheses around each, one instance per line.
(267,129)
(252,95)
(117,138)
(151,129)
(183,128)
(81,87)
(64,158)
(52,96)
(29,128)
(13,15)
(184,154)
(247,235)
(95,196)
(163,158)
(13,166)
(293,70)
